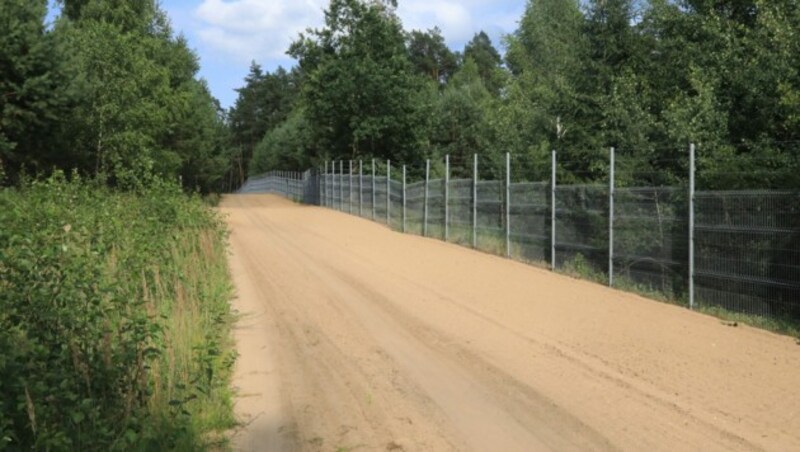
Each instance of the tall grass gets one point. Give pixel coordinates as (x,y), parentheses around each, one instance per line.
(114,319)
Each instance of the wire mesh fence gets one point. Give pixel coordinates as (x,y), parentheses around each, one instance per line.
(436,209)
(747,256)
(581,243)
(651,241)
(460,212)
(646,230)
(529,221)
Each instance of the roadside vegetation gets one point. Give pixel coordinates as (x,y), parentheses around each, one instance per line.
(114,318)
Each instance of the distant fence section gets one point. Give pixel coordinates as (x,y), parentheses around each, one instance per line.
(736,250)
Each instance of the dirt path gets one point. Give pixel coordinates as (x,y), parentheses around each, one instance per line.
(354,337)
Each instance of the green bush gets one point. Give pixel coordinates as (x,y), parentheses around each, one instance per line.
(114,318)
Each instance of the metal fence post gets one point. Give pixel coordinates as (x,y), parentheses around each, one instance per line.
(373,189)
(475,201)
(341,185)
(611,189)
(360,188)
(425,202)
(324,186)
(404,198)
(350,190)
(508,204)
(691,223)
(446,197)
(553,213)
(388,192)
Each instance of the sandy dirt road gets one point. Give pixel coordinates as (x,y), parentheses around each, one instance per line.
(354,337)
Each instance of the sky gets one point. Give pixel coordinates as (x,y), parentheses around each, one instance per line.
(229,34)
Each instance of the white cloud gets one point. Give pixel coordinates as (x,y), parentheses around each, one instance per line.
(453,18)
(247,30)
(262,30)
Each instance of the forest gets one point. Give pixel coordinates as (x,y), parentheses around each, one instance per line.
(109,88)
(645,77)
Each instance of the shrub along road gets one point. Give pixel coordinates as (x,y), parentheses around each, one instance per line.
(353,336)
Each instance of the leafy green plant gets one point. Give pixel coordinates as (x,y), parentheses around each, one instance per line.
(112,307)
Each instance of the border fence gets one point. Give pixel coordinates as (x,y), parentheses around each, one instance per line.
(736,250)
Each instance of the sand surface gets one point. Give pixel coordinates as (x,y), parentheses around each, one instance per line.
(354,337)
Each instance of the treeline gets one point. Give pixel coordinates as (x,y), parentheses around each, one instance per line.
(109,89)
(646,77)
(106,89)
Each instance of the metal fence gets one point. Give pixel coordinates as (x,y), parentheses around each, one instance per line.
(736,250)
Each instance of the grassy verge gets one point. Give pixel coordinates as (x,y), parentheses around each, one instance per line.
(788,327)
(114,314)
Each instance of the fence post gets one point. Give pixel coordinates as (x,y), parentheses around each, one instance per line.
(373,189)
(446,197)
(324,186)
(388,192)
(404,198)
(341,185)
(360,188)
(611,183)
(350,190)
(475,201)
(691,223)
(425,205)
(508,204)
(553,212)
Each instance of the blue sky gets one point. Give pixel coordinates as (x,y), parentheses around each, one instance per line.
(229,34)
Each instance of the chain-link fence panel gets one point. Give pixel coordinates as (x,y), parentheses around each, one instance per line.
(415,205)
(582,230)
(747,252)
(530,221)
(651,241)
(396,212)
(460,211)
(436,209)
(366,197)
(380,199)
(491,217)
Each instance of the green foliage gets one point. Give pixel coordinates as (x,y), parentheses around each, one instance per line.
(108,89)
(31,73)
(264,103)
(430,56)
(359,92)
(481,50)
(113,318)
(286,147)
(460,124)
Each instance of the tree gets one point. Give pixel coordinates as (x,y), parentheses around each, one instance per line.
(430,56)
(460,124)
(547,56)
(360,95)
(32,98)
(285,147)
(263,103)
(136,103)
(488,61)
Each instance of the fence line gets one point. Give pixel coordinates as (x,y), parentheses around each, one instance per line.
(739,250)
